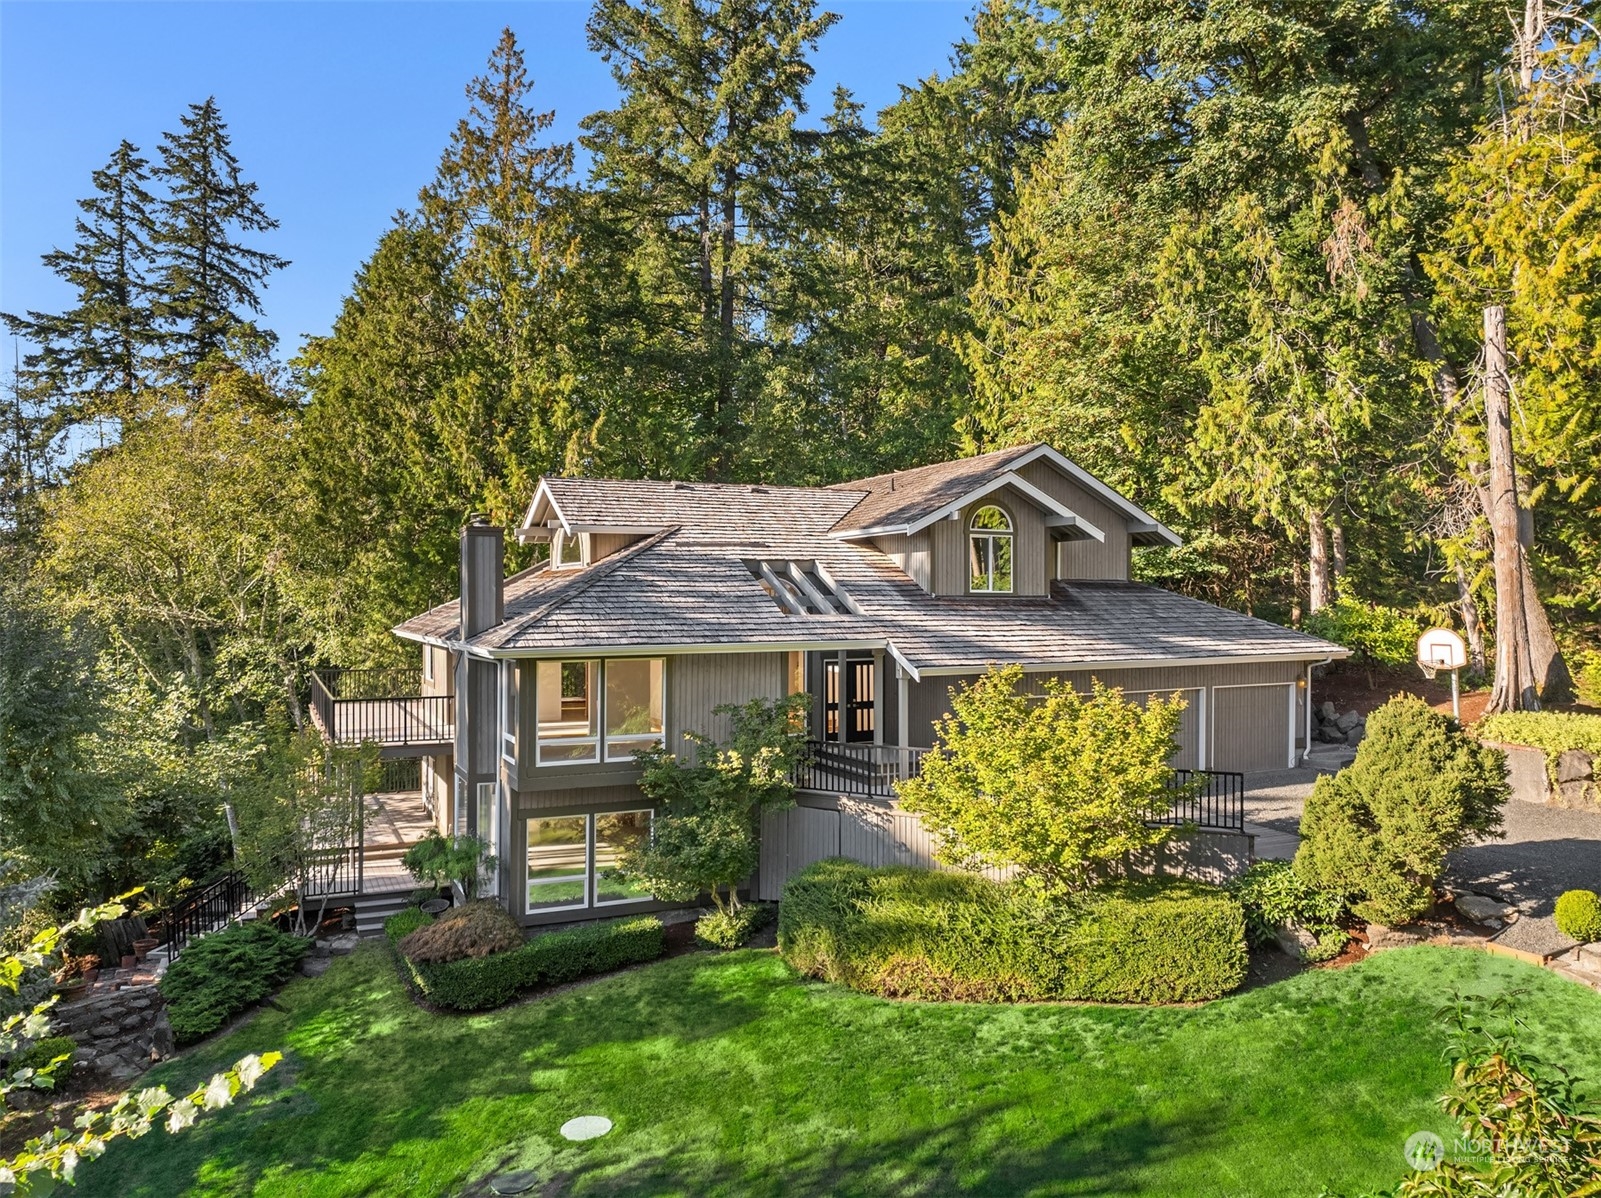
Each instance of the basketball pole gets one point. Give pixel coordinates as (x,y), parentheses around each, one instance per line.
(1456,697)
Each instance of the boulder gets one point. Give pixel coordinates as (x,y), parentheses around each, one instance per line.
(1355,735)
(1327,711)
(162,1043)
(315,966)
(1348,721)
(1480,909)
(344,944)
(1294,942)
(1382,937)
(1575,765)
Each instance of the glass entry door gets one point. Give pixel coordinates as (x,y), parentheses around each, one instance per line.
(848,709)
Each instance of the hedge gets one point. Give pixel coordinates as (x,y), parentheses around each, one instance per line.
(911,933)
(478,983)
(1553,731)
(224,972)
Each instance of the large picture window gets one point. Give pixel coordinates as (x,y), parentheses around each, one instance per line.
(569,855)
(577,699)
(990,550)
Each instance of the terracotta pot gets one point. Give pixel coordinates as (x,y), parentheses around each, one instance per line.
(130,961)
(142,946)
(90,975)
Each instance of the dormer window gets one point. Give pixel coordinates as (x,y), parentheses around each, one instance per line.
(569,549)
(990,551)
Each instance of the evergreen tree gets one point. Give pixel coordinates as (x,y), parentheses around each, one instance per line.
(208,279)
(93,359)
(691,169)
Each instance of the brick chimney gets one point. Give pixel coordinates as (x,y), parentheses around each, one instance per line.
(483,575)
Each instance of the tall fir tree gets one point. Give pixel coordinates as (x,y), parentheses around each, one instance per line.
(93,360)
(209,279)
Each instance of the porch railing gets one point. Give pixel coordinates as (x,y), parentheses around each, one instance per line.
(204,909)
(869,771)
(385,706)
(1211,799)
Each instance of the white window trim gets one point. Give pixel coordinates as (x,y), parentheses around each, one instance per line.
(589,867)
(508,718)
(594,873)
(990,536)
(427,663)
(489,885)
(606,737)
(599,744)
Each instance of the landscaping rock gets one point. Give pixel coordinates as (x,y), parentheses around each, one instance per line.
(1381,937)
(1480,909)
(1575,765)
(1294,942)
(315,967)
(1347,721)
(343,945)
(1355,735)
(162,1043)
(1328,712)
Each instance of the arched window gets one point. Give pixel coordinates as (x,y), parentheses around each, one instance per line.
(989,544)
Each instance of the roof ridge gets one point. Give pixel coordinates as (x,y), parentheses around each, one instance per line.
(1016,450)
(591,576)
(685,482)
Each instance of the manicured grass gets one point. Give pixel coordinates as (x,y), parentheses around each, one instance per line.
(725,1075)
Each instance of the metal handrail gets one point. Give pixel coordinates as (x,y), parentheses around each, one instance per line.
(1211,799)
(384,706)
(204,909)
(843,768)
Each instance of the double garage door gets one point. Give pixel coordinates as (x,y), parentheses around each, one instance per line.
(1248,729)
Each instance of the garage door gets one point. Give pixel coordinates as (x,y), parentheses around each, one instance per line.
(1251,727)
(1190,724)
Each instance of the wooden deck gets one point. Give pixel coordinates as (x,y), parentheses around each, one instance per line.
(394,822)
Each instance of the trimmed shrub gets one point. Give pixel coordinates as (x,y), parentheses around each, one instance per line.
(475,930)
(911,933)
(730,929)
(40,1053)
(478,983)
(1272,896)
(1378,831)
(402,924)
(1553,731)
(221,974)
(1579,915)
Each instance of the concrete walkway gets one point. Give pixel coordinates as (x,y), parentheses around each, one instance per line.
(1545,851)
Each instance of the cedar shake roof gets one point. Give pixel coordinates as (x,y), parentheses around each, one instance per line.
(906,495)
(694,581)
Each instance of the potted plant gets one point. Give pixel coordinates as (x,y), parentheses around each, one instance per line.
(144,946)
(458,862)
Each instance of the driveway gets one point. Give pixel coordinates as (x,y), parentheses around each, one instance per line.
(1545,851)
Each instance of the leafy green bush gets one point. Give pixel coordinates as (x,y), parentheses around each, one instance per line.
(221,974)
(1378,831)
(1553,731)
(40,1053)
(1579,915)
(402,924)
(478,983)
(441,861)
(911,933)
(1375,634)
(1273,896)
(730,929)
(474,930)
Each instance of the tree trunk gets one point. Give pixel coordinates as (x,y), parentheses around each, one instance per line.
(1551,676)
(1470,620)
(1515,688)
(1337,538)
(1321,587)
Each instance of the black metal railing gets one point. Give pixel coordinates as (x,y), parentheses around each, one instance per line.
(1206,798)
(855,769)
(204,909)
(384,706)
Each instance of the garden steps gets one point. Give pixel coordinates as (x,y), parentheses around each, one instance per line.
(373,909)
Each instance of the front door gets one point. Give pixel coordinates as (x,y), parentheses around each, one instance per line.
(848,709)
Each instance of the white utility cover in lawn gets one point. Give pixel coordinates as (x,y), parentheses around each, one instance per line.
(586,1127)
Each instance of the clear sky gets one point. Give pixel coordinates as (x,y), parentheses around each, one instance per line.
(337,110)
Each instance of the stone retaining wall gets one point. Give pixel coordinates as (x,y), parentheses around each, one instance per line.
(1574,785)
(119,1035)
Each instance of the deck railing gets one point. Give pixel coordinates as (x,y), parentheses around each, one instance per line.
(856,769)
(1210,799)
(384,706)
(204,909)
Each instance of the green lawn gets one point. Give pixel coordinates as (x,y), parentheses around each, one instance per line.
(725,1075)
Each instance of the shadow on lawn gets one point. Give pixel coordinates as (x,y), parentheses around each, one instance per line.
(1098,1157)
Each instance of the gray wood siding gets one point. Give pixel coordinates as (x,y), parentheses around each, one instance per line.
(948,543)
(573,801)
(913,554)
(1190,730)
(1084,559)
(794,838)
(604,544)
(1251,727)
(698,682)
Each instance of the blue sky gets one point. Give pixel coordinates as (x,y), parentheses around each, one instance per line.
(338,110)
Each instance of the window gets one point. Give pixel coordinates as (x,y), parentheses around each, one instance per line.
(489,833)
(569,856)
(558,862)
(510,680)
(990,548)
(633,706)
(427,663)
(568,696)
(569,549)
(615,832)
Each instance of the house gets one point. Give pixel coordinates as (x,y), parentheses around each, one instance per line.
(661,600)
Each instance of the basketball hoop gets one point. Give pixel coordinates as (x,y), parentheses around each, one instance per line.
(1441,649)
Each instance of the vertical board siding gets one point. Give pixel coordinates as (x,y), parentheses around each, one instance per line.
(1251,727)
(948,544)
(604,544)
(913,554)
(698,682)
(1084,559)
(1190,731)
